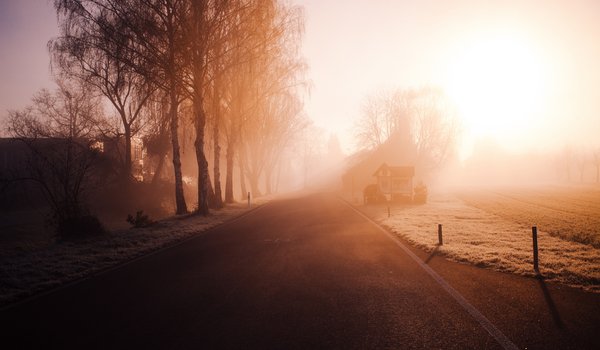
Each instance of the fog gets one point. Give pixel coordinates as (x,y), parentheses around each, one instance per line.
(310,173)
(370,45)
(519,83)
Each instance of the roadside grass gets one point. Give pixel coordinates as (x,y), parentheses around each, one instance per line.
(486,239)
(38,267)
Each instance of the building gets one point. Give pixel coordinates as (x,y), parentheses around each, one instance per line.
(395,182)
(398,149)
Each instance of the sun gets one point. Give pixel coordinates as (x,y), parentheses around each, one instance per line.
(497,83)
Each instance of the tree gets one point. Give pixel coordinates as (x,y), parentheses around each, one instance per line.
(204,22)
(68,112)
(88,52)
(59,130)
(274,82)
(187,49)
(565,160)
(152,35)
(156,139)
(237,80)
(434,129)
(420,118)
(310,150)
(580,160)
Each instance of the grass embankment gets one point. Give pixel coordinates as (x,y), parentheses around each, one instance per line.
(43,263)
(493,230)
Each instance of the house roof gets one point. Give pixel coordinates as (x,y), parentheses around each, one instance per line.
(401,171)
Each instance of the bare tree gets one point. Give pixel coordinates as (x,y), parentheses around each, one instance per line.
(68,112)
(156,139)
(210,23)
(383,114)
(581,160)
(369,127)
(435,128)
(276,78)
(566,159)
(421,118)
(238,79)
(188,49)
(152,35)
(310,149)
(88,52)
(236,36)
(59,130)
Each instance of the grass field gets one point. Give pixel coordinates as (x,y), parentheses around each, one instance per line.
(571,213)
(492,229)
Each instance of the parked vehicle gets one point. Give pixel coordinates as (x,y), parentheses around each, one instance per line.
(372,194)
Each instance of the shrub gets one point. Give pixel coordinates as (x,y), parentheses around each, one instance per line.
(420,194)
(140,220)
(80,226)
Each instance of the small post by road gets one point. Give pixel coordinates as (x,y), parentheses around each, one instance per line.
(248,199)
(536,267)
(388,211)
(440,239)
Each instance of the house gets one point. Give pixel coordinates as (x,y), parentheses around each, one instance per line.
(395,182)
(20,165)
(25,162)
(398,149)
(114,149)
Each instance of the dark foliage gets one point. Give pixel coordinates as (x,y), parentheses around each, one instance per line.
(79,227)
(140,220)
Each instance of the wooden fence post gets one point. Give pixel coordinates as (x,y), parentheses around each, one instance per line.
(535,249)
(440,239)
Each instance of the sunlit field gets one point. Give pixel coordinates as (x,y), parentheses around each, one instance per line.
(570,213)
(492,229)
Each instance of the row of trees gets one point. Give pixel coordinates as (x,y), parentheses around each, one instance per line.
(583,161)
(424,128)
(226,71)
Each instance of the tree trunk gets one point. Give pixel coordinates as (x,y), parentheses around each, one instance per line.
(218,200)
(243,180)
(181,207)
(278,177)
(158,169)
(127,175)
(267,181)
(229,177)
(254,185)
(203,176)
(211,195)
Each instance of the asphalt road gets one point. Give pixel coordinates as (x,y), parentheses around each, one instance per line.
(302,273)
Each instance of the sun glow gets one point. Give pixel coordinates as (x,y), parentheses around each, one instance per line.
(497,83)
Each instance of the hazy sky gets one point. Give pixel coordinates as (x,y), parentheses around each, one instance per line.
(25,28)
(357,47)
(549,51)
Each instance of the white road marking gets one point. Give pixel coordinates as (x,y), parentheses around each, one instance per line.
(478,316)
